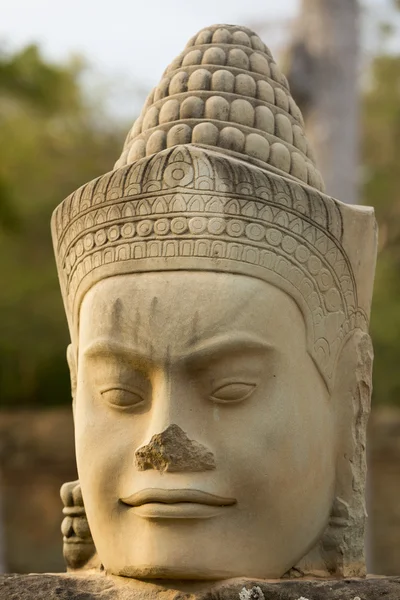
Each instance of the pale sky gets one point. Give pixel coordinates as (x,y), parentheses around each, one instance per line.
(130,42)
(135,37)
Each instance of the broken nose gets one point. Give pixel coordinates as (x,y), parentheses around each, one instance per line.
(173,451)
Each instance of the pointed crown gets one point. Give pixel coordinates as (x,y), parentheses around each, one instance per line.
(226,92)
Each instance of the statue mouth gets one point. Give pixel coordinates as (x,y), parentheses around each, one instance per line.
(156,504)
(176,496)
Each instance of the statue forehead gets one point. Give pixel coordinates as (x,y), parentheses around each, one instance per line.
(197,304)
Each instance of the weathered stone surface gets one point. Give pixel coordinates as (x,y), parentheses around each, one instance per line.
(212,288)
(173,451)
(91,587)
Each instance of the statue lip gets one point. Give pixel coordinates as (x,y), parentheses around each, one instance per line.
(176,496)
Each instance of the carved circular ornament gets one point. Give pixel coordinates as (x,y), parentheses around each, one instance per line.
(79,248)
(302,254)
(128,230)
(161,227)
(144,228)
(88,242)
(314,265)
(179,225)
(216,225)
(274,237)
(100,237)
(178,174)
(235,228)
(255,232)
(113,233)
(289,244)
(197,225)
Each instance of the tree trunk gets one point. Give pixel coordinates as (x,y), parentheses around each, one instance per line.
(323,73)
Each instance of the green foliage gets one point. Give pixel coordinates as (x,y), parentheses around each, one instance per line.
(25,78)
(54,139)
(50,146)
(381,162)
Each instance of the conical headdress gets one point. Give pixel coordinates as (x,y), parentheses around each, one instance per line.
(226,92)
(217,174)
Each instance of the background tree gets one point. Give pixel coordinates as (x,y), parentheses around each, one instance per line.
(381,189)
(323,63)
(344,112)
(53,139)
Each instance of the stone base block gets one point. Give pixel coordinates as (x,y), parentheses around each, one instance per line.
(96,586)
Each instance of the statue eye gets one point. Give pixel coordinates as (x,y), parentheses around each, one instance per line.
(122,398)
(232,392)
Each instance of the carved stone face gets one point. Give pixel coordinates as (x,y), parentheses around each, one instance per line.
(205,434)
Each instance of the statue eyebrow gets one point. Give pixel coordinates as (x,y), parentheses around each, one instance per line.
(223,344)
(239,342)
(102,348)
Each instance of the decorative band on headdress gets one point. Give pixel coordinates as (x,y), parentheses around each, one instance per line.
(190,208)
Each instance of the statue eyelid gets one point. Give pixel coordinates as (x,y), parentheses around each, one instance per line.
(123,390)
(232,392)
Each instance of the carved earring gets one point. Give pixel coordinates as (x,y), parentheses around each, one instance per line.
(334,542)
(328,557)
(78,547)
(72,369)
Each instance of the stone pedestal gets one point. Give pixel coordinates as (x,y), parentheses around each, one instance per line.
(91,587)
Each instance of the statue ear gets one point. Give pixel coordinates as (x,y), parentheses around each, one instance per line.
(72,370)
(340,551)
(352,397)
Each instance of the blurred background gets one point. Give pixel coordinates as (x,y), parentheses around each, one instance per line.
(73,77)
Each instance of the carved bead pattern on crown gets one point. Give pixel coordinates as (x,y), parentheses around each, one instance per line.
(191,202)
(225,91)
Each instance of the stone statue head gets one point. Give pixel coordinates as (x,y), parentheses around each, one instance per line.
(218,304)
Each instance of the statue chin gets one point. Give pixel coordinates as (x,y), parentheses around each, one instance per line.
(218,307)
(175,572)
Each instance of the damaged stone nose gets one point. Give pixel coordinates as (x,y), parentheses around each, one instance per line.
(173,451)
